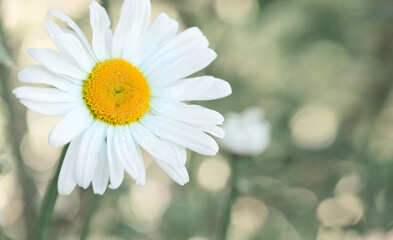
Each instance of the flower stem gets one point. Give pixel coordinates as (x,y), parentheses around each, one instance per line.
(226,219)
(93,202)
(49,201)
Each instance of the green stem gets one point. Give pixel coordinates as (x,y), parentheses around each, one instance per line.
(93,205)
(226,219)
(49,201)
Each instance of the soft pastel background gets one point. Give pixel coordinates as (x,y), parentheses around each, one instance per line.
(321,69)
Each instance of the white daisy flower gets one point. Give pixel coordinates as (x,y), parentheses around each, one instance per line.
(247,133)
(124,92)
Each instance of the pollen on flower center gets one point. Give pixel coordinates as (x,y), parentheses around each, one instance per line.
(116,92)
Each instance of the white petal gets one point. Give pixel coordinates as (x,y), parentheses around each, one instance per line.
(138,29)
(129,154)
(40,94)
(178,155)
(67,179)
(212,129)
(180,51)
(102,34)
(121,151)
(178,174)
(195,89)
(69,44)
(115,166)
(49,108)
(193,114)
(60,15)
(189,64)
(57,62)
(182,134)
(161,30)
(180,152)
(123,26)
(152,144)
(101,173)
(53,31)
(190,35)
(70,126)
(92,140)
(39,74)
(134,18)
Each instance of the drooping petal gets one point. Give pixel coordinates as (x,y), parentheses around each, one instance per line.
(115,166)
(102,34)
(70,126)
(182,134)
(184,66)
(101,173)
(178,173)
(195,89)
(180,152)
(57,62)
(161,30)
(40,94)
(92,140)
(39,74)
(152,144)
(192,114)
(133,20)
(49,108)
(60,15)
(69,44)
(129,154)
(212,129)
(67,180)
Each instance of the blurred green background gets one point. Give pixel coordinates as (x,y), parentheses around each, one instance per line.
(321,69)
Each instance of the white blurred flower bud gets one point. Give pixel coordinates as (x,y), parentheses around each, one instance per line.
(246,133)
(379,235)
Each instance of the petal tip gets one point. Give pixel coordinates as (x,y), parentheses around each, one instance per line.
(228,89)
(52,12)
(31,51)
(140,183)
(64,191)
(213,53)
(15,91)
(52,140)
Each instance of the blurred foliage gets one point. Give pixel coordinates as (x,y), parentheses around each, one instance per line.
(4,55)
(322,70)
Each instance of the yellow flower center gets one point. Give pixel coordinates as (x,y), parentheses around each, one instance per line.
(116,92)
